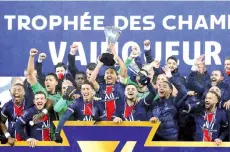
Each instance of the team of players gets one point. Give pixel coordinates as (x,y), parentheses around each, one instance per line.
(191,109)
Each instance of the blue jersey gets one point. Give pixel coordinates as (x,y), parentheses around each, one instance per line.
(84,111)
(137,112)
(112,96)
(210,126)
(39,131)
(11,112)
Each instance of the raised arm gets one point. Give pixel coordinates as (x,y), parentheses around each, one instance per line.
(38,67)
(147,48)
(71,59)
(152,94)
(94,74)
(31,77)
(123,72)
(176,82)
(4,128)
(61,123)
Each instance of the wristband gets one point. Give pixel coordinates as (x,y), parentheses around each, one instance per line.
(7,134)
(39,60)
(45,111)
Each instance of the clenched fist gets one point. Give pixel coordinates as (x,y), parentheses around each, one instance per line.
(42,56)
(147,43)
(33,52)
(73,49)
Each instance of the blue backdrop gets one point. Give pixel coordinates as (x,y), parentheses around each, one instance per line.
(15,42)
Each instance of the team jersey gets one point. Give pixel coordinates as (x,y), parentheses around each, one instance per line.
(87,111)
(39,131)
(210,126)
(137,112)
(11,112)
(83,111)
(112,96)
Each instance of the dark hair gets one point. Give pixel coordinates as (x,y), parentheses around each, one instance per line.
(113,68)
(81,73)
(40,92)
(169,84)
(213,92)
(221,72)
(60,64)
(54,75)
(172,58)
(89,83)
(91,66)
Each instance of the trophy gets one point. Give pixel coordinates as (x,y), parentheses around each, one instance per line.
(111,34)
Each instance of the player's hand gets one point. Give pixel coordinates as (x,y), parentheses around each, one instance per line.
(33,52)
(155,64)
(117,120)
(58,138)
(218,141)
(70,91)
(32,142)
(76,96)
(11,141)
(135,52)
(227,105)
(73,49)
(112,49)
(200,64)
(147,43)
(38,117)
(42,56)
(154,119)
(167,71)
(99,61)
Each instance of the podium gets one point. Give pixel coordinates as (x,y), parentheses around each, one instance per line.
(105,136)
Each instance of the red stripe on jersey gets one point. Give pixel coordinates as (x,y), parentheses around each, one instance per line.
(46,134)
(18,111)
(110,105)
(128,110)
(88,108)
(207,136)
(45,118)
(110,108)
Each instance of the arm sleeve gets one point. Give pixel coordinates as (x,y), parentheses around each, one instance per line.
(60,105)
(4,112)
(21,123)
(38,87)
(148,56)
(179,86)
(158,71)
(152,94)
(194,85)
(64,118)
(40,76)
(127,63)
(138,62)
(71,66)
(224,126)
